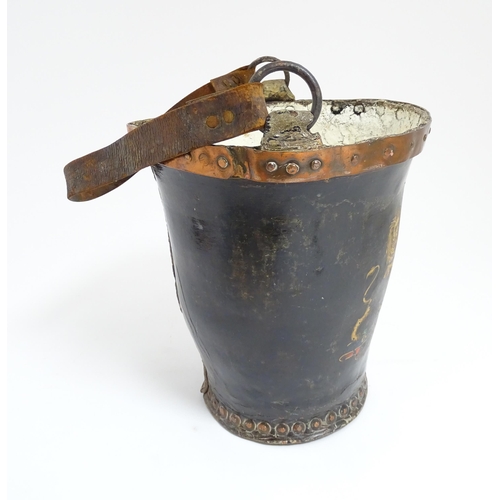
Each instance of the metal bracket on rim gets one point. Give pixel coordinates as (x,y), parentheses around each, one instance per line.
(299,70)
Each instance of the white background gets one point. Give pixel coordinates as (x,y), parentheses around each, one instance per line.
(103,387)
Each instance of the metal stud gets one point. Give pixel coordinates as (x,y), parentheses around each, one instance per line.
(264,428)
(282,429)
(228,116)
(212,121)
(249,425)
(354,159)
(222,162)
(271,166)
(316,164)
(292,168)
(315,423)
(388,152)
(359,108)
(298,427)
(331,417)
(235,419)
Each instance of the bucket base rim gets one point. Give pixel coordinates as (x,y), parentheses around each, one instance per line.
(283,432)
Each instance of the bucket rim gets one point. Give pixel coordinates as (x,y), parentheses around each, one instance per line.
(229,160)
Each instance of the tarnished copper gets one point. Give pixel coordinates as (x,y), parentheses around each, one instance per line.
(335,161)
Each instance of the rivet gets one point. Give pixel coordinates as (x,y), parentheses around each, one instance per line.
(388,152)
(188,157)
(315,423)
(222,162)
(354,159)
(222,412)
(271,166)
(292,168)
(359,108)
(316,164)
(249,425)
(331,417)
(235,419)
(212,121)
(425,137)
(264,428)
(282,429)
(228,116)
(298,427)
(336,109)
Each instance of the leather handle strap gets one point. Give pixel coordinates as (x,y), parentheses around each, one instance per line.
(202,118)
(225,82)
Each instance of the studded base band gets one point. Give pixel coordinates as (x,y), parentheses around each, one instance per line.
(288,432)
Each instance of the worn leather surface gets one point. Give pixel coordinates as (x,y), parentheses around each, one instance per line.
(206,116)
(281,284)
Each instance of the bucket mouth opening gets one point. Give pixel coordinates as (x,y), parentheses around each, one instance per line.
(349,122)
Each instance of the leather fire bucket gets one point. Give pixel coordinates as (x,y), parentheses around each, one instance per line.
(283,219)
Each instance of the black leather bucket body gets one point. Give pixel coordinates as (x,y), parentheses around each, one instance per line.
(281,286)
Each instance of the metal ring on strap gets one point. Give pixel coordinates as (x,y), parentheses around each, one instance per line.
(262,59)
(304,74)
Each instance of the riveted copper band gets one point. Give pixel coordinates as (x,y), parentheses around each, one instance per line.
(225,162)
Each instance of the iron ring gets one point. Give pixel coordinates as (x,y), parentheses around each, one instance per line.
(262,59)
(304,74)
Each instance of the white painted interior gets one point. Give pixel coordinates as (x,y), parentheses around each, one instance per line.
(379,119)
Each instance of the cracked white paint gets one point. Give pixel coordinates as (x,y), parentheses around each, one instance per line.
(352,122)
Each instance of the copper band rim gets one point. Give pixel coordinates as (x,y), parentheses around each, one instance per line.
(255,164)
